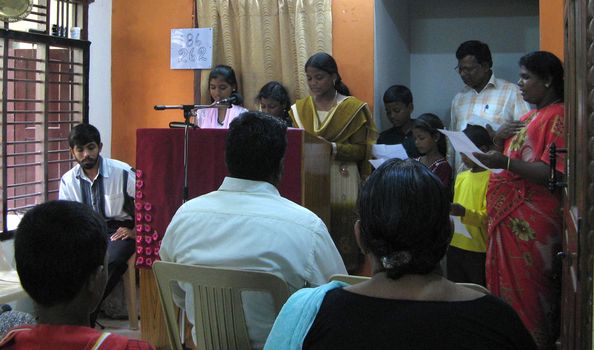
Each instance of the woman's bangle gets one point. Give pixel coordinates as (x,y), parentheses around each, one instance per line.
(508,161)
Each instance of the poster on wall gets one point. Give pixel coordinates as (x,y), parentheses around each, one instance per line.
(191,48)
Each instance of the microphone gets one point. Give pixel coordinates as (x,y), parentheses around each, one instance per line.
(181,125)
(232,99)
(184,107)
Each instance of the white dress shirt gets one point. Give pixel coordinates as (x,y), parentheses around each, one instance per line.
(248,225)
(113,197)
(499,101)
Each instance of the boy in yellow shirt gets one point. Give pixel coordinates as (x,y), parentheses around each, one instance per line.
(466,256)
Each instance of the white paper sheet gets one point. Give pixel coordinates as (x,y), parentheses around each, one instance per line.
(381,153)
(462,144)
(377,162)
(388,151)
(191,48)
(459,227)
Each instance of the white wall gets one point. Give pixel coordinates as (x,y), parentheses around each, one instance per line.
(392,53)
(100,71)
(437,27)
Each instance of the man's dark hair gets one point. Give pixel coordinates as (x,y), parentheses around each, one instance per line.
(82,134)
(255,147)
(57,246)
(475,48)
(478,135)
(398,93)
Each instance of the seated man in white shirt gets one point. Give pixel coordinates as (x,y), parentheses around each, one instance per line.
(108,187)
(246,224)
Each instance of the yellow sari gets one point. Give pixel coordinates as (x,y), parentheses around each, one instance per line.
(350,127)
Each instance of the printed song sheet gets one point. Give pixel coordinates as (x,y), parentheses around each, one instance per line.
(462,144)
(381,153)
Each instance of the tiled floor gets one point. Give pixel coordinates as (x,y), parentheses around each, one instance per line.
(121,327)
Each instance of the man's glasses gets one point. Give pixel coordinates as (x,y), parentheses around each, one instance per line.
(466,70)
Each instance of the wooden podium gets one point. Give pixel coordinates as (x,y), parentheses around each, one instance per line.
(159,161)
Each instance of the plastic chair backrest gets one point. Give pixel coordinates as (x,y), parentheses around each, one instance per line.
(350,279)
(474,286)
(219,315)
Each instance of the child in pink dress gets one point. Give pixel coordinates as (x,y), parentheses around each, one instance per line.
(221,85)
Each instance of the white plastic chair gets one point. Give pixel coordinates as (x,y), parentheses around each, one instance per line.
(220,320)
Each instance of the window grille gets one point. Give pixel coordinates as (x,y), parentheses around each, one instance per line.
(44,92)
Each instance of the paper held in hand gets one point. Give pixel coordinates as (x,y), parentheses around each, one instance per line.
(381,153)
(459,227)
(462,144)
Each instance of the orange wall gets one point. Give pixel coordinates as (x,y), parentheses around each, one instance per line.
(551,26)
(352,45)
(141,76)
(140,70)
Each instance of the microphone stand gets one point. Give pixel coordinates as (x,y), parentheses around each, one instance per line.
(188,113)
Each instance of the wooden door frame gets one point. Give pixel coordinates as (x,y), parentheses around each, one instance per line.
(578,209)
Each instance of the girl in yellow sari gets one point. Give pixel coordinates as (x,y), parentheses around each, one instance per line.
(346,124)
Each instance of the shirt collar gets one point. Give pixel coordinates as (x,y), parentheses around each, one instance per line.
(491,83)
(234,184)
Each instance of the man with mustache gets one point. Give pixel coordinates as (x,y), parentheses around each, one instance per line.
(484,100)
(107,186)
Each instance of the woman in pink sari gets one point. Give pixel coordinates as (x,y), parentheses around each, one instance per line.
(525,224)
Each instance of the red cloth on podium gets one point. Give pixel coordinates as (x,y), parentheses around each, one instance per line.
(160,178)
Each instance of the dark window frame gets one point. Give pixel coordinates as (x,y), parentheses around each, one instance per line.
(49,42)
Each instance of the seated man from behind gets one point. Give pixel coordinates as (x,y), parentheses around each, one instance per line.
(246,224)
(60,253)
